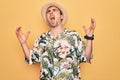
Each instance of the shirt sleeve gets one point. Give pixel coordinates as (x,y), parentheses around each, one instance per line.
(35,53)
(80,49)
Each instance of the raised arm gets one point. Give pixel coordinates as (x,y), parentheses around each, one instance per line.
(89,37)
(22,39)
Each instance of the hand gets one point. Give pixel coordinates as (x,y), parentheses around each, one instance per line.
(21,37)
(90,31)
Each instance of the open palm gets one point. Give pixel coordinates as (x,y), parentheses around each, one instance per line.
(21,37)
(90,31)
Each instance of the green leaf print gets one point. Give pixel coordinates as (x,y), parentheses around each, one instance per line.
(69,56)
(50,72)
(42,41)
(44,79)
(70,40)
(75,65)
(37,55)
(50,54)
(44,63)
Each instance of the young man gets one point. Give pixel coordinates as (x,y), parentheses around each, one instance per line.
(59,51)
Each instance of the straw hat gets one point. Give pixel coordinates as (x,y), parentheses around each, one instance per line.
(46,6)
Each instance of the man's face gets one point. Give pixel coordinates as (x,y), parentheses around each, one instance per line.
(53,16)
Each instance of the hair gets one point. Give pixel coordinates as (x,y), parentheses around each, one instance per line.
(57,8)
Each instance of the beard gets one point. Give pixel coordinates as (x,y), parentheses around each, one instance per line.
(54,24)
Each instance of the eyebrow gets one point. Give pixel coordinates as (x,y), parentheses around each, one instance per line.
(55,7)
(47,11)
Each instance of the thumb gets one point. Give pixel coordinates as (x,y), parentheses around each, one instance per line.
(84,27)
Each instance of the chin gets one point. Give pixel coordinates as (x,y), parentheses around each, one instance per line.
(52,25)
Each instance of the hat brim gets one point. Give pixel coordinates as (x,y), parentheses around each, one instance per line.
(63,10)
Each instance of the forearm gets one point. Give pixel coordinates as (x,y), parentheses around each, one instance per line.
(88,49)
(26,50)
(89,37)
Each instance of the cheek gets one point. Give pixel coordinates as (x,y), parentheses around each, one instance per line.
(47,16)
(57,15)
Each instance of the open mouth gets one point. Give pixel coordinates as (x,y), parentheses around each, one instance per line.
(52,19)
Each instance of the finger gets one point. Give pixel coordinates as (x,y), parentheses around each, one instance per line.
(18,31)
(93,23)
(18,28)
(84,27)
(92,20)
(27,34)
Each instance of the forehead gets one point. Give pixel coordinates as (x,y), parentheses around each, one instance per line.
(53,7)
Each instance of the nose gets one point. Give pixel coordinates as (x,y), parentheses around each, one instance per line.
(51,13)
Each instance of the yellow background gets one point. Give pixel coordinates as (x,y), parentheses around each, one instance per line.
(26,13)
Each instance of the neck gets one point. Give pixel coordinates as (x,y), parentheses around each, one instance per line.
(56,31)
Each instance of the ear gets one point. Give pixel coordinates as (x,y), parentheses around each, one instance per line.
(62,17)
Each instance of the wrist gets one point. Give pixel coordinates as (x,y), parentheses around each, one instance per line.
(23,43)
(90,37)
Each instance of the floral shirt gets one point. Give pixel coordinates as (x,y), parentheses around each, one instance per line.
(59,57)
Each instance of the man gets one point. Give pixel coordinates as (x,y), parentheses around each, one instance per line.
(59,51)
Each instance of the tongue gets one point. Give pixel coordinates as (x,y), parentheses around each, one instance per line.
(52,20)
